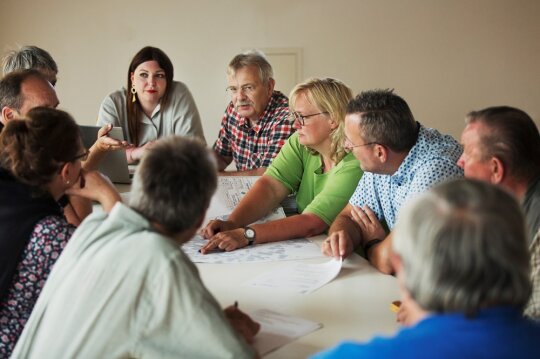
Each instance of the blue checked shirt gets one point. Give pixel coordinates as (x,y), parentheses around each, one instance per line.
(432,160)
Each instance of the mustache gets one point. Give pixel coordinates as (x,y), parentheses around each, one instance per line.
(243,103)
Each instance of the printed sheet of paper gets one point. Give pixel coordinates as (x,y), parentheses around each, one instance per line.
(229,192)
(293,249)
(300,277)
(279,329)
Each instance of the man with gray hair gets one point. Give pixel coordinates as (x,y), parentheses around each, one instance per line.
(124,288)
(501,146)
(31,57)
(256,122)
(460,253)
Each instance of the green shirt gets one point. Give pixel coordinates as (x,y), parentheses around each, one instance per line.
(323,194)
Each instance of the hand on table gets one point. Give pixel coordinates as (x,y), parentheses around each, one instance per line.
(226,241)
(215,226)
(338,244)
(242,323)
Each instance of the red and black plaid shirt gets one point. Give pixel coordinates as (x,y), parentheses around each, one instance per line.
(255,147)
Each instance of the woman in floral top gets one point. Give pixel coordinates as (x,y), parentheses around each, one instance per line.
(40,162)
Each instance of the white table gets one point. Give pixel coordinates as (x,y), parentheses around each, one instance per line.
(355,305)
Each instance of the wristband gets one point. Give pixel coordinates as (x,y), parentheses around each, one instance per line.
(370,244)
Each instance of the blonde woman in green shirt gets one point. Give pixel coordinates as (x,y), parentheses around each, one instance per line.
(312,164)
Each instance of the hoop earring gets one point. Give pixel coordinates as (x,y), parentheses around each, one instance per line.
(133,92)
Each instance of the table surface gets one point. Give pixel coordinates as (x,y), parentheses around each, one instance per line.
(355,305)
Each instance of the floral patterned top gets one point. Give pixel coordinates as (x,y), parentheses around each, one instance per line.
(48,239)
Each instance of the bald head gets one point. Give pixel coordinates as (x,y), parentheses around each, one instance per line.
(22,91)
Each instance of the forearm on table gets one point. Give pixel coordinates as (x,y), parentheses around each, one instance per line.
(379,255)
(255,172)
(297,226)
(222,161)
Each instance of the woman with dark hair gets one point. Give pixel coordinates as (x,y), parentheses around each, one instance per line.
(152,105)
(40,162)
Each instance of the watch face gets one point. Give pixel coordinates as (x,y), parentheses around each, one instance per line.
(250,233)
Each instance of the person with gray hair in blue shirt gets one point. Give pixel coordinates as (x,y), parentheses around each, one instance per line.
(462,263)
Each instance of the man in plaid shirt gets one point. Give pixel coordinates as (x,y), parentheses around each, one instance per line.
(501,145)
(256,122)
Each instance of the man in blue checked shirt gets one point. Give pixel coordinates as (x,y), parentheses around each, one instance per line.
(400,159)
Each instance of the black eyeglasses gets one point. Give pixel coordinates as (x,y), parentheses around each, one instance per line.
(82,157)
(295,116)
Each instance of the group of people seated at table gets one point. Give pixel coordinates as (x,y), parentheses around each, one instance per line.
(116,283)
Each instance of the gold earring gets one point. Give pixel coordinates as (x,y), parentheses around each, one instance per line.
(133,92)
(67,182)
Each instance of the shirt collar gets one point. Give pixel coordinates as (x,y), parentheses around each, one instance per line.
(400,174)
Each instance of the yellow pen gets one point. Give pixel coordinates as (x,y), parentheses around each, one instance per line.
(394,306)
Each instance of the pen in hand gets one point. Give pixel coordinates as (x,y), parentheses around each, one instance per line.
(215,250)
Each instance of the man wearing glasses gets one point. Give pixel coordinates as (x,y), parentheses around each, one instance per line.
(400,159)
(254,126)
(23,90)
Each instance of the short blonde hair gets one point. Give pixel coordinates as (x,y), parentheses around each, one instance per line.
(328,95)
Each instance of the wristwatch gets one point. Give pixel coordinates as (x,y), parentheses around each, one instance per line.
(249,234)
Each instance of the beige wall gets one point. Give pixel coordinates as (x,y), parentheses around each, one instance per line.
(445,57)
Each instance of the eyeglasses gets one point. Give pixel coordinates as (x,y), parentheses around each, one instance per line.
(82,157)
(246,89)
(295,116)
(348,146)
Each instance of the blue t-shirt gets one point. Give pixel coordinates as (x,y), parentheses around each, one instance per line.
(432,160)
(495,333)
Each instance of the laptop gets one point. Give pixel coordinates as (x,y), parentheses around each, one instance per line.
(114,165)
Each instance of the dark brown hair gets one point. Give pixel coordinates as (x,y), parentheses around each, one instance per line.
(134,109)
(386,119)
(10,88)
(34,149)
(512,137)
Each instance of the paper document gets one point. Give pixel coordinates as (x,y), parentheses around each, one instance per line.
(292,249)
(279,329)
(298,277)
(230,191)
